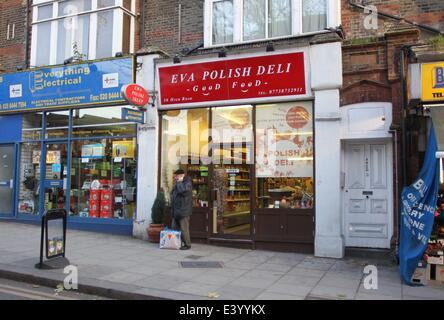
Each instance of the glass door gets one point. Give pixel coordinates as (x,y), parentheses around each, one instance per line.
(232,145)
(7,166)
(56,176)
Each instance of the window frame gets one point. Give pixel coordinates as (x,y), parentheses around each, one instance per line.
(333,20)
(117,41)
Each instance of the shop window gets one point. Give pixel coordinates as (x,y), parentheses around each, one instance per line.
(284,156)
(29,177)
(32,126)
(266,19)
(185,145)
(223,17)
(81,29)
(103,178)
(73,38)
(105,23)
(100,122)
(279,21)
(126,41)
(105,3)
(252,20)
(314,15)
(57,123)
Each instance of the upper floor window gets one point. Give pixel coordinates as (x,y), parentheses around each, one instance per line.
(83,29)
(235,21)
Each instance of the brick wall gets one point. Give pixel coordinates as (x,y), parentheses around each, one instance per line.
(428,12)
(162,24)
(12,52)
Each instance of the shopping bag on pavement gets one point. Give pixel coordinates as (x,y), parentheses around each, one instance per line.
(170,239)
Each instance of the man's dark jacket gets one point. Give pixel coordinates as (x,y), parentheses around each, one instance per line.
(182,199)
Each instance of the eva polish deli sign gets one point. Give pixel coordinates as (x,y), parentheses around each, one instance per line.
(274,75)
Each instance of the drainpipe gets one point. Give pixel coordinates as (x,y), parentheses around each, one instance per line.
(396,209)
(404,112)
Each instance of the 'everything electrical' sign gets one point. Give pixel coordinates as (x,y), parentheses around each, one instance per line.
(76,85)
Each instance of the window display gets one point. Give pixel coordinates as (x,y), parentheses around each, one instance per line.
(101,122)
(284,156)
(185,146)
(28,199)
(32,126)
(56,174)
(103,178)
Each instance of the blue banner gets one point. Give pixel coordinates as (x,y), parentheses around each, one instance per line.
(418,204)
(133,115)
(76,85)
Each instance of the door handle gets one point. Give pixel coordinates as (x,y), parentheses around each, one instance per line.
(11,184)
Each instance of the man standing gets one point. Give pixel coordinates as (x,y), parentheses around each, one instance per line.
(182,206)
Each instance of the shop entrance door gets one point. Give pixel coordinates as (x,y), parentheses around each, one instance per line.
(368,194)
(232,201)
(231,147)
(56,176)
(7,169)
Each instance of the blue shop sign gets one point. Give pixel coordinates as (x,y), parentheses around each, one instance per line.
(77,85)
(133,115)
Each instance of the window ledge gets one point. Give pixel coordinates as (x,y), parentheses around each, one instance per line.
(259,41)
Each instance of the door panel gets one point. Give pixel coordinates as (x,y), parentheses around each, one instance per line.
(199,223)
(367,195)
(356,172)
(7,166)
(378,172)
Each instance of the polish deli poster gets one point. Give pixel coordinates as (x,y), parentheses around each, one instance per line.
(284,140)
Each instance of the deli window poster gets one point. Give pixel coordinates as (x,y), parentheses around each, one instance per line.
(284,140)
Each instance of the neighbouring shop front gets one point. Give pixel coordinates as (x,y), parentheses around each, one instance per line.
(66,143)
(422,259)
(243,129)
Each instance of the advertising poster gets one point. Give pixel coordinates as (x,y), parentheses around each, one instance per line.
(52,157)
(124,149)
(95,151)
(284,140)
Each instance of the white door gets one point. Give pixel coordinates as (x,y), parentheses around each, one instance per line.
(368,194)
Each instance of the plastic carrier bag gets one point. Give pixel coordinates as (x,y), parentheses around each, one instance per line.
(170,239)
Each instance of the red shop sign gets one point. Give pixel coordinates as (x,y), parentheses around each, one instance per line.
(246,78)
(135,94)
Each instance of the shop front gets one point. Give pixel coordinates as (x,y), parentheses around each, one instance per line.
(69,145)
(243,129)
(422,214)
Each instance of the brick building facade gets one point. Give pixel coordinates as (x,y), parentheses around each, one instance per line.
(13,33)
(371,69)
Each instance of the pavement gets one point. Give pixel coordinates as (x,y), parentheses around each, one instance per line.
(122,267)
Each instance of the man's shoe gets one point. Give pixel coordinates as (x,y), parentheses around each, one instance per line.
(185,247)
